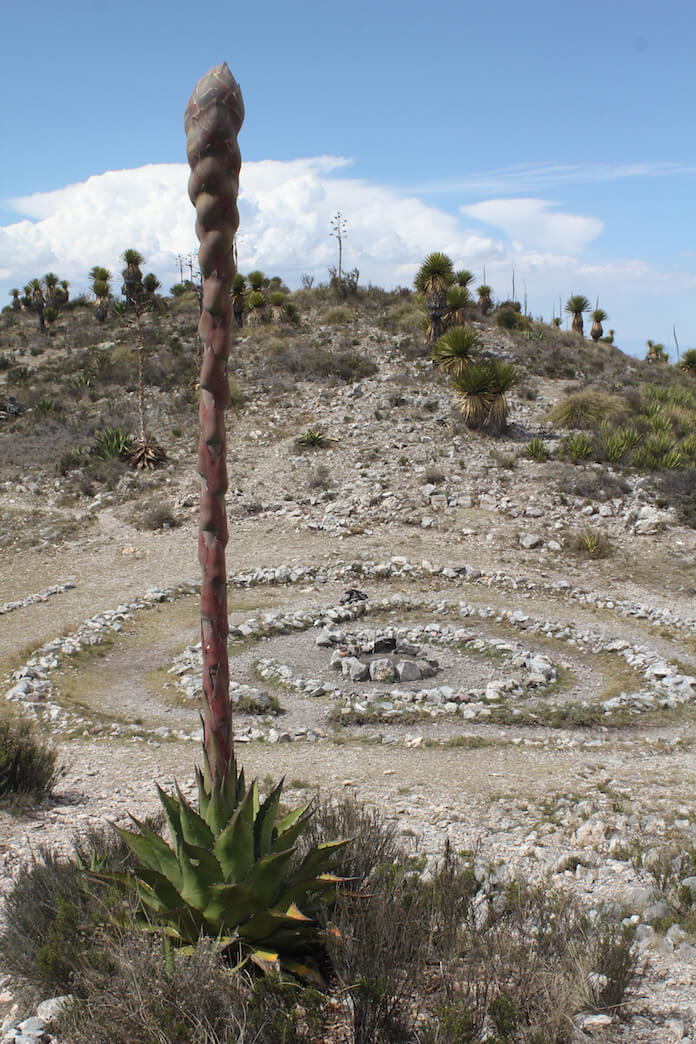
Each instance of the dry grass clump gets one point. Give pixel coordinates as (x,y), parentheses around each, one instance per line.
(585,409)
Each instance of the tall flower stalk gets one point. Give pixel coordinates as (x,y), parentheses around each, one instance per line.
(212,121)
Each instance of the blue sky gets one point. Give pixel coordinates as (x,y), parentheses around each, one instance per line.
(541,137)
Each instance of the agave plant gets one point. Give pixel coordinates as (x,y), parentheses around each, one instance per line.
(433,279)
(599,316)
(231,872)
(576,305)
(455,348)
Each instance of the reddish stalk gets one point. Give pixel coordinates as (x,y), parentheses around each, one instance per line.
(212,121)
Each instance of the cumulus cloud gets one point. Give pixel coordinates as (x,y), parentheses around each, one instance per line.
(535,223)
(285,210)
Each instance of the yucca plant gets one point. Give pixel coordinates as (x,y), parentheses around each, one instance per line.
(256,308)
(277,302)
(485,300)
(256,280)
(433,279)
(687,363)
(576,305)
(464,277)
(238,294)
(132,288)
(458,300)
(503,377)
(51,282)
(151,284)
(231,871)
(101,277)
(16,302)
(656,352)
(599,316)
(455,348)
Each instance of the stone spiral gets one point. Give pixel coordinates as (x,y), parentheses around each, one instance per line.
(212,121)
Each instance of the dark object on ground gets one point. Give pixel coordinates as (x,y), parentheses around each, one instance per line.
(353,595)
(11,408)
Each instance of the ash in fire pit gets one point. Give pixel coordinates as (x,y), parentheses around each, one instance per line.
(379,658)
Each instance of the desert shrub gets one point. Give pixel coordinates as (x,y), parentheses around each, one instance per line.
(53,913)
(312,362)
(29,768)
(160,516)
(337,316)
(508,319)
(678,490)
(139,992)
(378,950)
(589,485)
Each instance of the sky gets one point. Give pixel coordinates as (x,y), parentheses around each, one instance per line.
(550,140)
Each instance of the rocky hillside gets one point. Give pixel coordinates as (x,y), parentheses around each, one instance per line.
(519,679)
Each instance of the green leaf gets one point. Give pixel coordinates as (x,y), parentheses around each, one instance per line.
(172,812)
(276,930)
(152,851)
(234,847)
(291,826)
(264,822)
(319,859)
(203,796)
(230,905)
(195,830)
(267,876)
(200,870)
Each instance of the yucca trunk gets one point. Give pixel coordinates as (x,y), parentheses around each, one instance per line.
(436,301)
(212,121)
(596,331)
(577,324)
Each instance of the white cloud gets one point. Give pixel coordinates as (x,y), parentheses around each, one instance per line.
(286,208)
(534,223)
